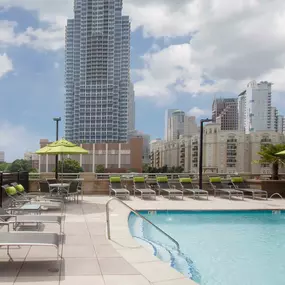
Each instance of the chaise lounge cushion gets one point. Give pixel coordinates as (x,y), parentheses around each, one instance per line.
(20,188)
(11,190)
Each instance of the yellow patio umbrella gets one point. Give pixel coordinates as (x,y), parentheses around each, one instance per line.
(62,147)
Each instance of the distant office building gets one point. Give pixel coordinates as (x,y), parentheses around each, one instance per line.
(115,157)
(179,124)
(146,144)
(255,111)
(97,72)
(225,112)
(2,156)
(167,115)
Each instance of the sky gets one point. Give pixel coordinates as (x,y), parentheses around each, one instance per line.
(183,54)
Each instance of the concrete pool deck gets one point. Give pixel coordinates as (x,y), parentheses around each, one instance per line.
(90,258)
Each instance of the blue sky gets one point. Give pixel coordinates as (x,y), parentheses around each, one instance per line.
(169,64)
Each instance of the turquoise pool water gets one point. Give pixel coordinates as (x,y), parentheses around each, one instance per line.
(218,247)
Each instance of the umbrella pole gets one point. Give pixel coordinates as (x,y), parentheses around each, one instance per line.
(62,168)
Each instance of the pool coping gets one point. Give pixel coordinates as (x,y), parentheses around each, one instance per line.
(142,259)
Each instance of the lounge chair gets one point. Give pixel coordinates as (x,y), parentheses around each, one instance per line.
(117,189)
(18,220)
(223,189)
(19,239)
(141,187)
(186,185)
(35,195)
(240,184)
(20,200)
(163,186)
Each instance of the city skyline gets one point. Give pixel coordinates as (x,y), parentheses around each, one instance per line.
(167,69)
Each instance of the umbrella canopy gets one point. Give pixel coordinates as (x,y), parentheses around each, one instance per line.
(62,147)
(281,152)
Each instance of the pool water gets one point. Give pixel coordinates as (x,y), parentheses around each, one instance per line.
(218,247)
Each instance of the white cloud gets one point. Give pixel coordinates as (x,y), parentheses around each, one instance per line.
(16,140)
(6,64)
(51,38)
(230,45)
(197,112)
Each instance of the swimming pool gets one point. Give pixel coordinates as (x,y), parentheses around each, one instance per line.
(218,247)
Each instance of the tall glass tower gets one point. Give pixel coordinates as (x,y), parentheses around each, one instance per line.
(97,75)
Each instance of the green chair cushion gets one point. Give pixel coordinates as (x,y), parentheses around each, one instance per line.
(237,179)
(185,180)
(138,179)
(20,188)
(115,179)
(11,191)
(162,179)
(215,179)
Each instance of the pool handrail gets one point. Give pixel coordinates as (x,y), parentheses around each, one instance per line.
(139,215)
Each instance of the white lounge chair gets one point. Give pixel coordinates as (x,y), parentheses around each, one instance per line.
(17,220)
(186,185)
(240,184)
(141,187)
(8,239)
(223,189)
(117,189)
(163,186)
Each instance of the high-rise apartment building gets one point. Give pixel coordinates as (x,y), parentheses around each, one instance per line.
(255,111)
(97,75)
(131,109)
(225,112)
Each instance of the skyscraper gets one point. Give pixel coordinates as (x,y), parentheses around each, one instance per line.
(97,76)
(167,115)
(255,111)
(225,112)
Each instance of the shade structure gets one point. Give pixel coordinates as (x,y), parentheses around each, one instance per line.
(281,152)
(62,147)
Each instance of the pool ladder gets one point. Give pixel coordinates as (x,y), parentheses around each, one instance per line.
(139,215)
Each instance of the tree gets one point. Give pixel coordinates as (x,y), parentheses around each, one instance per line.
(20,165)
(4,166)
(268,156)
(100,168)
(70,166)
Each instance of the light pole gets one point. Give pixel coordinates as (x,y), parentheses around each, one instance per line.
(201,151)
(57,120)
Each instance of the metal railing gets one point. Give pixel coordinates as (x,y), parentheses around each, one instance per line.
(139,215)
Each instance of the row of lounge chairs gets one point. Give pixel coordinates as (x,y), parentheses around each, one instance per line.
(159,187)
(235,188)
(21,212)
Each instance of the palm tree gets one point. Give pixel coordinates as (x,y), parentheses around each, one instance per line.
(268,155)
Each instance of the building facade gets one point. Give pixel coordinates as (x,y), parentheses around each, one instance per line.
(131,109)
(255,111)
(97,74)
(225,112)
(2,156)
(224,151)
(115,157)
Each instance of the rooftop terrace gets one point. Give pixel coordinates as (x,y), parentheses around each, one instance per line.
(88,257)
